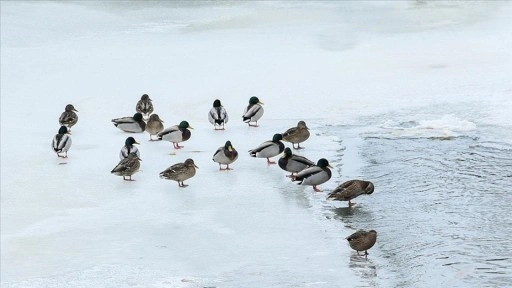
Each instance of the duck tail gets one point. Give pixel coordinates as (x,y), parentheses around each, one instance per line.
(246,119)
(298,179)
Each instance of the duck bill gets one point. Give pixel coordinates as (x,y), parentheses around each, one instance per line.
(75,110)
(190,127)
(261,103)
(330,166)
(230,149)
(196,166)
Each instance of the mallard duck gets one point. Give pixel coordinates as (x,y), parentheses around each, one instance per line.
(253,112)
(154,126)
(218,115)
(225,155)
(176,134)
(314,175)
(68,118)
(297,134)
(128,148)
(180,172)
(62,142)
(351,189)
(144,105)
(133,124)
(269,149)
(293,163)
(362,241)
(127,167)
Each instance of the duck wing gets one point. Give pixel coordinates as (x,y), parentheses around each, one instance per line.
(261,147)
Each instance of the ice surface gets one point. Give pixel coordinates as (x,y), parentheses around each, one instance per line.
(76,225)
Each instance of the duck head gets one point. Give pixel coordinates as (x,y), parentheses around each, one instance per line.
(277,137)
(254,100)
(287,153)
(228,146)
(70,108)
(190,163)
(155,117)
(137,117)
(216,103)
(322,163)
(145,97)
(184,125)
(130,141)
(369,189)
(302,125)
(63,130)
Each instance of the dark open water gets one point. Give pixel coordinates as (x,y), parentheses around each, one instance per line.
(441,204)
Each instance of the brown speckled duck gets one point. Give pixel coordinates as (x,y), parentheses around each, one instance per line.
(127,167)
(297,135)
(144,106)
(154,126)
(351,189)
(180,172)
(68,118)
(362,240)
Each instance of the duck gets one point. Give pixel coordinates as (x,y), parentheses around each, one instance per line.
(144,105)
(362,241)
(68,118)
(154,126)
(62,142)
(297,135)
(351,189)
(133,124)
(225,155)
(127,167)
(269,149)
(180,172)
(314,175)
(218,115)
(176,134)
(128,148)
(253,112)
(293,163)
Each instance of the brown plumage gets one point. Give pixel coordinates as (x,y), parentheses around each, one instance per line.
(351,189)
(154,126)
(68,118)
(180,172)
(127,167)
(362,240)
(297,135)
(144,106)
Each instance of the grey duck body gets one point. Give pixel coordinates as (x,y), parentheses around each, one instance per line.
(293,163)
(225,155)
(133,124)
